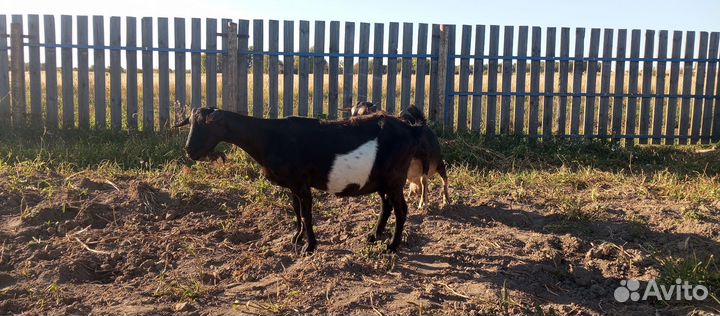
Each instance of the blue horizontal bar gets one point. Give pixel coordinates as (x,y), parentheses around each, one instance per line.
(598,136)
(582,94)
(603,59)
(126,48)
(314,54)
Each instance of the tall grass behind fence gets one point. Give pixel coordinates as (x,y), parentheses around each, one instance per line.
(651,86)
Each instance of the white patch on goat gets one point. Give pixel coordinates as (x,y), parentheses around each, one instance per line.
(353,167)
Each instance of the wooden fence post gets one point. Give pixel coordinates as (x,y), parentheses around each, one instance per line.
(438,109)
(230,69)
(18,74)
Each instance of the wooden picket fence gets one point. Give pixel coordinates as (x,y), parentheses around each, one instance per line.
(535,88)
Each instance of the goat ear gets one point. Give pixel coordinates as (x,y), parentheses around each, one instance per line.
(213,117)
(184,122)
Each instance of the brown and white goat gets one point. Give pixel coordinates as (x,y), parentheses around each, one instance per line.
(429,147)
(355,157)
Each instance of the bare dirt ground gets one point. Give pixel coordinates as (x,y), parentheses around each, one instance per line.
(130,246)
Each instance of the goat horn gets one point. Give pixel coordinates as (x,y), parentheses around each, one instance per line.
(184,122)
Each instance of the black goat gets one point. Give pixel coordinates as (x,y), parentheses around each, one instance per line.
(356,157)
(429,148)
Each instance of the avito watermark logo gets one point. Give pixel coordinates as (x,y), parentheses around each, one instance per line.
(630,290)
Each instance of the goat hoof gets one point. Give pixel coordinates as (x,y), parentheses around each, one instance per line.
(392,248)
(371,238)
(309,248)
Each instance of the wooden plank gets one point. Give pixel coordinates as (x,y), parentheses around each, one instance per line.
(462,105)
(364,48)
(333,69)
(476,113)
(617,112)
(687,88)
(647,73)
(5,71)
(180,69)
(303,77)
(230,65)
(195,65)
(590,86)
(115,76)
(450,100)
(288,68)
(35,79)
(243,63)
(630,123)
(434,73)
(224,79)
(68,92)
(534,82)
(563,84)
(407,67)
(83,86)
(348,68)
(519,117)
(716,113)
(707,119)
(422,67)
(211,62)
(578,66)
(491,120)
(99,71)
(507,70)
(51,83)
(659,107)
(377,63)
(131,79)
(604,110)
(548,102)
(699,88)
(258,67)
(318,69)
(273,47)
(148,75)
(671,122)
(17,74)
(392,68)
(163,73)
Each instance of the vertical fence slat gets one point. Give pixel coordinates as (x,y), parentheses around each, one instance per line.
(671,122)
(148,75)
(563,84)
(716,113)
(462,105)
(707,118)
(224,79)
(617,112)
(195,64)
(422,67)
(17,80)
(180,69)
(590,87)
(377,64)
(391,89)
(273,46)
(258,67)
(243,64)
(303,77)
(534,82)
(506,80)
(364,48)
(318,69)
(163,73)
(83,85)
(115,76)
(699,88)
(211,62)
(647,73)
(35,79)
(99,71)
(548,102)
(478,65)
(230,65)
(434,101)
(333,70)
(449,116)
(68,92)
(604,110)
(288,68)
(519,119)
(406,66)
(630,124)
(687,88)
(348,68)
(659,107)
(491,120)
(131,80)
(578,66)
(4,71)
(51,94)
